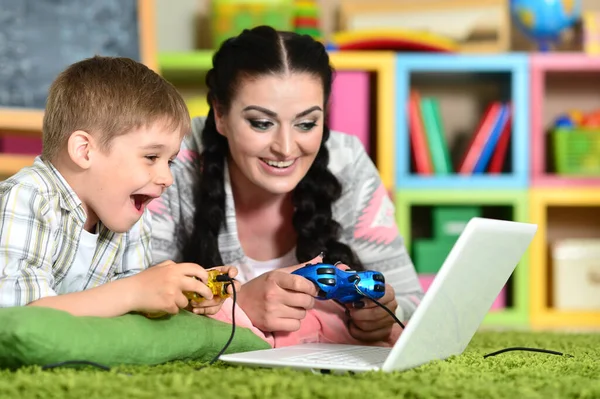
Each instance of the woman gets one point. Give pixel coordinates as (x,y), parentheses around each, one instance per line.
(262,184)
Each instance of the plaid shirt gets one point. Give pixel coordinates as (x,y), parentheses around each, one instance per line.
(41,220)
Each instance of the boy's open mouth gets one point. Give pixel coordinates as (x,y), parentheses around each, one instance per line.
(140,200)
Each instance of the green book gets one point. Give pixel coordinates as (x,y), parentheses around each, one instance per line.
(438,147)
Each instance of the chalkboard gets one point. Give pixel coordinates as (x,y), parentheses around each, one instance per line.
(40,38)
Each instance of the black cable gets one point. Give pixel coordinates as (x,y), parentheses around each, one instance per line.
(378,304)
(516,348)
(521,348)
(232,324)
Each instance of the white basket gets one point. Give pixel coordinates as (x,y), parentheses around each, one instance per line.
(576,277)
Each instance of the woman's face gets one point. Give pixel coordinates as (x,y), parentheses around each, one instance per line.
(274,127)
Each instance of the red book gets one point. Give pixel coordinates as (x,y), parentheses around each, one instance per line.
(418,137)
(480,137)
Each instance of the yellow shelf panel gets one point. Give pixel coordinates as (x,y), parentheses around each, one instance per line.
(539,200)
(570,196)
(21,119)
(11,163)
(550,318)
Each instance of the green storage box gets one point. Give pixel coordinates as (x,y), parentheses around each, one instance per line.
(577,152)
(449,221)
(429,255)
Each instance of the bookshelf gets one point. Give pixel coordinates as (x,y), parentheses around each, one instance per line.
(541,87)
(454,75)
(554,79)
(563,206)
(464,84)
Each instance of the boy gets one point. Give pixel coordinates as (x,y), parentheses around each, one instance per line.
(74,226)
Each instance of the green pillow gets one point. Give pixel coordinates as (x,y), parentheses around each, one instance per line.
(40,336)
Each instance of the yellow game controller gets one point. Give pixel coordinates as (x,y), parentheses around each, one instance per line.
(217,282)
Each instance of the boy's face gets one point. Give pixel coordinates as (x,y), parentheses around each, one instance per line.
(124,179)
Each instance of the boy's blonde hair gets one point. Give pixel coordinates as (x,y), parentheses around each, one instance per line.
(108,97)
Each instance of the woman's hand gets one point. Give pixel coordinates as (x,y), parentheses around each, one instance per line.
(369,322)
(278,300)
(212,306)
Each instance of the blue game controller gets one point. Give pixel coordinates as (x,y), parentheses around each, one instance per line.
(343,286)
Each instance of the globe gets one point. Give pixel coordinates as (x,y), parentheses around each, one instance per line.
(544,20)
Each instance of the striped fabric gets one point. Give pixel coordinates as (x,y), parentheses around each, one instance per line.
(365,212)
(41,219)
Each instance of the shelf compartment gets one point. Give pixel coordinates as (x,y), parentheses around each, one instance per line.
(415,206)
(492,78)
(559,214)
(554,78)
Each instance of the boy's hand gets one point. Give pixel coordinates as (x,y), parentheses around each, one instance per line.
(212,306)
(160,288)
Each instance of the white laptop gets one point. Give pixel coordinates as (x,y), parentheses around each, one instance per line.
(462,293)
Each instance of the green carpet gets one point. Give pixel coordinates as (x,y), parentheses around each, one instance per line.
(508,375)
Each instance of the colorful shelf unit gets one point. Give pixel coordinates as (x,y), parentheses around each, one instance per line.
(552,76)
(413,213)
(20,122)
(382,65)
(508,73)
(559,214)
(191,66)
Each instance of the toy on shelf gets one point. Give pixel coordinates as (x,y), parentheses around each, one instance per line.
(230,17)
(569,120)
(395,39)
(473,26)
(306,18)
(577,143)
(544,21)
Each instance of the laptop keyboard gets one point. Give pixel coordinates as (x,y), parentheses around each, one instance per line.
(356,356)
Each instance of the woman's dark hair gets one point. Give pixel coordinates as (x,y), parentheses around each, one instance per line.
(258,52)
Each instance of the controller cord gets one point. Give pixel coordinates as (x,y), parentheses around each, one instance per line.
(234,297)
(379,304)
(516,348)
